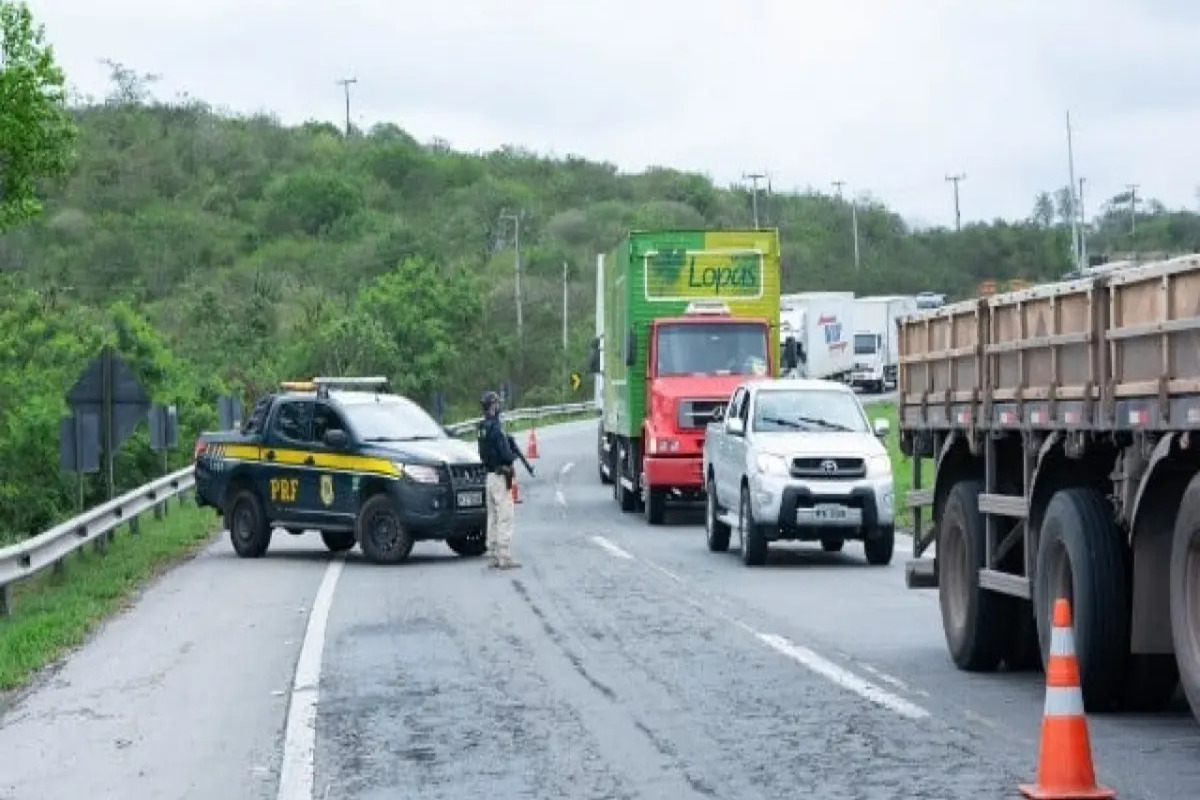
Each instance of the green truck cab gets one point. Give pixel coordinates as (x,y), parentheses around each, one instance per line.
(361,467)
(687,316)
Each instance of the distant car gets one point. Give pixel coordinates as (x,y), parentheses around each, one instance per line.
(797,459)
(366,467)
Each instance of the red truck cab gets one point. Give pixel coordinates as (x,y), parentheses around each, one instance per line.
(694,363)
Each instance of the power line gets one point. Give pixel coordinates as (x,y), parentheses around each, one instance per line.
(346,84)
(957,212)
(837,185)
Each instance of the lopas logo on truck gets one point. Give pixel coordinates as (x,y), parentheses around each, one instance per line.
(688,274)
(833,333)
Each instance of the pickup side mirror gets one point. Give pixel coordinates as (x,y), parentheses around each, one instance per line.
(881,427)
(791,353)
(735,427)
(336,438)
(631,348)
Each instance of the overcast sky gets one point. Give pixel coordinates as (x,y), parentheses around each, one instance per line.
(887,95)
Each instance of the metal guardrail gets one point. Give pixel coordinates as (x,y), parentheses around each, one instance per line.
(25,559)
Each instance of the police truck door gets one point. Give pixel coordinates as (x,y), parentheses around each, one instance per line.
(286,455)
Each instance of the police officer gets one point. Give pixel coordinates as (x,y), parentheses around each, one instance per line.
(498,458)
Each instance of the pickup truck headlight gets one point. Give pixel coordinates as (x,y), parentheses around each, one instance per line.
(879,466)
(769,464)
(420,473)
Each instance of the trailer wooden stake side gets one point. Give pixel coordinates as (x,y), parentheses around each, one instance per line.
(1060,421)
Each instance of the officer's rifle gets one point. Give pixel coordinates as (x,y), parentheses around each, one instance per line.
(528,467)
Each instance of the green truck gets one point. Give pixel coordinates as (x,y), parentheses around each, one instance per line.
(687,315)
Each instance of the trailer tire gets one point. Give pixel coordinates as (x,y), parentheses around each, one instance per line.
(626,499)
(605,478)
(1185,585)
(977,623)
(1024,652)
(1080,555)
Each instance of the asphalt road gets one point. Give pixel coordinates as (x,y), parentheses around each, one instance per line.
(620,662)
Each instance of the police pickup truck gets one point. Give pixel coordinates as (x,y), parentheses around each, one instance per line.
(345,457)
(796,459)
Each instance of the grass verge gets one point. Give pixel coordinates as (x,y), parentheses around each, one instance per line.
(902,465)
(56,610)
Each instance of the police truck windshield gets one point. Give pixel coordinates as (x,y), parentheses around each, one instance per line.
(711,349)
(391,420)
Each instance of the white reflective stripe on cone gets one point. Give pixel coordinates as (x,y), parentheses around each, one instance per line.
(1062,643)
(1064,701)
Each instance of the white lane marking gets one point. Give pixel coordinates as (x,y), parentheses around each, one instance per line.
(883,676)
(612,548)
(802,655)
(843,678)
(300,735)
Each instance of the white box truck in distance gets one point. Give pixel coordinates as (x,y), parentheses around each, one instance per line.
(822,323)
(876,322)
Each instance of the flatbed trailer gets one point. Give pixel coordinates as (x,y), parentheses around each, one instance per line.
(1060,422)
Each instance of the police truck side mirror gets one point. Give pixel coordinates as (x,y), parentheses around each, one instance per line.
(336,438)
(791,353)
(631,348)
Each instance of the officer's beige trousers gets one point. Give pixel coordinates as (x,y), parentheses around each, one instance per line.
(501,515)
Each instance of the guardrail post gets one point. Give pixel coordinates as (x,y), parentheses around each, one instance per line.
(134,528)
(6,593)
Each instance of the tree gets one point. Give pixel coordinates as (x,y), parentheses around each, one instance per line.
(37,134)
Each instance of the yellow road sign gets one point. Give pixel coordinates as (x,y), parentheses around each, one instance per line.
(576,381)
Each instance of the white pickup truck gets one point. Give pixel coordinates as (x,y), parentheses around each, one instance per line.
(796,459)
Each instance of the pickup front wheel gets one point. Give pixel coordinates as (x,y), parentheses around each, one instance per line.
(753,543)
(715,531)
(381,535)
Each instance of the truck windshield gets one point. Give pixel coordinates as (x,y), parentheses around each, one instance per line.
(718,348)
(864,344)
(392,420)
(808,410)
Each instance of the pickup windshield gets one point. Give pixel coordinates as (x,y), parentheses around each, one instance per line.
(711,349)
(864,344)
(808,410)
(392,420)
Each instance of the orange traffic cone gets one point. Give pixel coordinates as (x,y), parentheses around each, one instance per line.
(516,493)
(531,447)
(1065,769)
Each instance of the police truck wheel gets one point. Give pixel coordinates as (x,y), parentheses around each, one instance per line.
(338,541)
(715,531)
(976,622)
(1081,558)
(249,530)
(382,537)
(469,546)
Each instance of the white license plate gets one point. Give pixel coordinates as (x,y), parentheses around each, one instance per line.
(468,499)
(830,513)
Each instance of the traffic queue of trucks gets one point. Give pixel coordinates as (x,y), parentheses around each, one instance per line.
(1059,422)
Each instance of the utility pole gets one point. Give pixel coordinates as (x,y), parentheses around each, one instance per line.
(837,185)
(755,177)
(1073,211)
(1083,227)
(957,213)
(346,84)
(565,298)
(1132,187)
(516,220)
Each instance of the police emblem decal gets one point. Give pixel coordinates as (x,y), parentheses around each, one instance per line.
(327,489)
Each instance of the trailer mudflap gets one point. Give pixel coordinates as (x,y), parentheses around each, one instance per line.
(919,573)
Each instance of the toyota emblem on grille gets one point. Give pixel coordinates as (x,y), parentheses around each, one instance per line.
(829,465)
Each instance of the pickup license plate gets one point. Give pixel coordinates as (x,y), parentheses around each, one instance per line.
(830,513)
(470,499)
